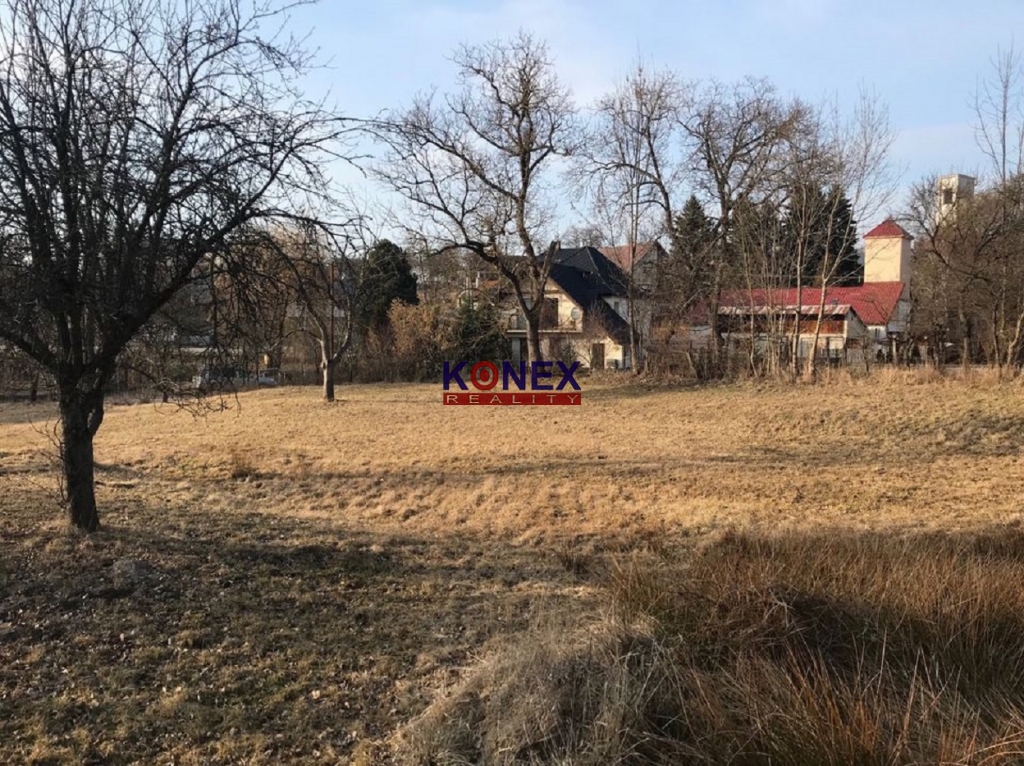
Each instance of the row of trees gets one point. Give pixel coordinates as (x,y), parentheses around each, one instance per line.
(748,188)
(969,270)
(281,300)
(360,315)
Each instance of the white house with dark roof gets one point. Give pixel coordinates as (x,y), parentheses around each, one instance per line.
(585,315)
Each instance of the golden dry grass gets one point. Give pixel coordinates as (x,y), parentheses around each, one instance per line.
(809,648)
(861,454)
(313,575)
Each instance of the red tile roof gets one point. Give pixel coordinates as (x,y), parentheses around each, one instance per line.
(808,309)
(874,302)
(888,228)
(621,255)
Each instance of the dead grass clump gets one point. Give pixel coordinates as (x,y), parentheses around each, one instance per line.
(572,554)
(790,650)
(990,376)
(242,464)
(891,376)
(840,376)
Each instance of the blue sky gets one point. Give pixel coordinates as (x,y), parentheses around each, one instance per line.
(923,59)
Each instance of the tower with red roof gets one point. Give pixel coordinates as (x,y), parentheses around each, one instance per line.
(887,254)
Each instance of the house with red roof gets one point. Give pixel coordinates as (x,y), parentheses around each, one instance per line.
(852,318)
(639,261)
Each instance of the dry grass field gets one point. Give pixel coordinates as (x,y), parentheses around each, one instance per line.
(293,582)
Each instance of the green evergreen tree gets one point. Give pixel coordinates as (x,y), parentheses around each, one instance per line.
(694,232)
(849,271)
(478,333)
(824,221)
(692,248)
(385,276)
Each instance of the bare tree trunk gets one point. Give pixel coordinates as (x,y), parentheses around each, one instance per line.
(633,365)
(811,369)
(965,343)
(327,364)
(715,325)
(796,326)
(81,415)
(329,382)
(533,334)
(1012,354)
(998,330)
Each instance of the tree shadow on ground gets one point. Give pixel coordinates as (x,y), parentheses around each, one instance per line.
(241,635)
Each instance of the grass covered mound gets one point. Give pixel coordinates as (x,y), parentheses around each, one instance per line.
(804,649)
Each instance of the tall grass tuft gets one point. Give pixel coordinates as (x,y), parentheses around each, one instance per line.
(838,649)
(241,464)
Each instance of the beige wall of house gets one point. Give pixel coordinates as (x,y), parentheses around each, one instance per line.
(566,305)
(515,321)
(569,333)
(615,355)
(619,305)
(887,259)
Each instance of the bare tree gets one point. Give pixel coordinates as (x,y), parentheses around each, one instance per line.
(739,137)
(833,165)
(726,143)
(475,167)
(968,257)
(635,169)
(306,274)
(969,271)
(623,167)
(999,115)
(855,170)
(323,286)
(136,138)
(586,235)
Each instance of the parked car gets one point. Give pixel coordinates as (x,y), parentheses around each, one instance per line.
(218,378)
(265,379)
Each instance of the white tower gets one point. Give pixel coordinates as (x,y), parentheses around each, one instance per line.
(952,189)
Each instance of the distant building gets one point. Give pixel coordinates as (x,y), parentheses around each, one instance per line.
(952,189)
(639,262)
(867,317)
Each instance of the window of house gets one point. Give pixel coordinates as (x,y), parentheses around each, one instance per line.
(549,313)
(947,196)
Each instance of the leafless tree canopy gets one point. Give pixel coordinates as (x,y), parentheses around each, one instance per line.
(969,277)
(136,138)
(999,115)
(476,167)
(665,155)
